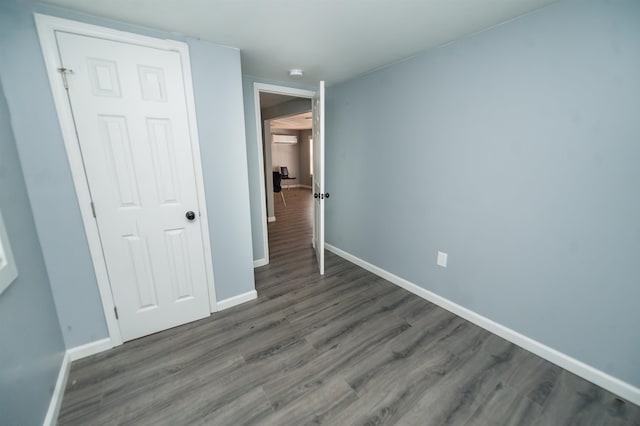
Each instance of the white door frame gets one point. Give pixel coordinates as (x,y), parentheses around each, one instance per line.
(279,90)
(47,26)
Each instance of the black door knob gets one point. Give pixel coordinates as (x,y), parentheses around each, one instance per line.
(316,195)
(190,215)
(326,195)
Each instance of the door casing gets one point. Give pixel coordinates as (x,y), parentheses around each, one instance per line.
(47,26)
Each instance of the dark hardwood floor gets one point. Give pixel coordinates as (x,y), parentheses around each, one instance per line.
(346,348)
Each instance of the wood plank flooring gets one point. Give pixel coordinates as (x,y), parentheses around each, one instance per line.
(346,348)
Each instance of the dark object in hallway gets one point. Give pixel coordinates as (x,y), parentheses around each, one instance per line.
(277,187)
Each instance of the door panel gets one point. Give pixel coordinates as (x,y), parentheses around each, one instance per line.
(318,175)
(163,157)
(104,77)
(140,264)
(116,148)
(129,107)
(152,83)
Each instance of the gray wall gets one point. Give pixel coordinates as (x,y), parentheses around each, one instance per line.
(48,178)
(217,81)
(31,345)
(305,170)
(286,155)
(292,107)
(253,158)
(217,85)
(519,151)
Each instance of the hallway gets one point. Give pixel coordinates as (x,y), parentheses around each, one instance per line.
(293,226)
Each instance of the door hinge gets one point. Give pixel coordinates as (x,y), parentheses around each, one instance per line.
(63,72)
(115,310)
(93,209)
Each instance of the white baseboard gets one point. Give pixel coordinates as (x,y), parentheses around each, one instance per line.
(237,300)
(259,262)
(58,392)
(71,355)
(297,185)
(271,218)
(89,349)
(587,372)
(98,346)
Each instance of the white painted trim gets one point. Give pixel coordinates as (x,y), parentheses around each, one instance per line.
(297,185)
(237,300)
(260,262)
(102,345)
(89,349)
(46,26)
(261,169)
(71,355)
(587,372)
(280,90)
(58,392)
(271,219)
(8,269)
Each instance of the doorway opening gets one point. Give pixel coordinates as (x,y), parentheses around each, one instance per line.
(278,104)
(286,143)
(288,164)
(289,205)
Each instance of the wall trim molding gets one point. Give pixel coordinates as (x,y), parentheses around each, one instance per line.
(105,344)
(587,372)
(71,355)
(271,219)
(89,349)
(297,185)
(260,262)
(58,392)
(237,300)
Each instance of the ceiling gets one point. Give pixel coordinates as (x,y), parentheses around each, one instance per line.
(331,40)
(272,99)
(293,122)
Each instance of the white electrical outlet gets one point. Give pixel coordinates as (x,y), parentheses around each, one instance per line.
(442,259)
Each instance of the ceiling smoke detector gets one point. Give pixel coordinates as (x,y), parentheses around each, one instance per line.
(296,73)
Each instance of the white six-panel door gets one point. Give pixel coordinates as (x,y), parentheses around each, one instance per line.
(318,175)
(130,112)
